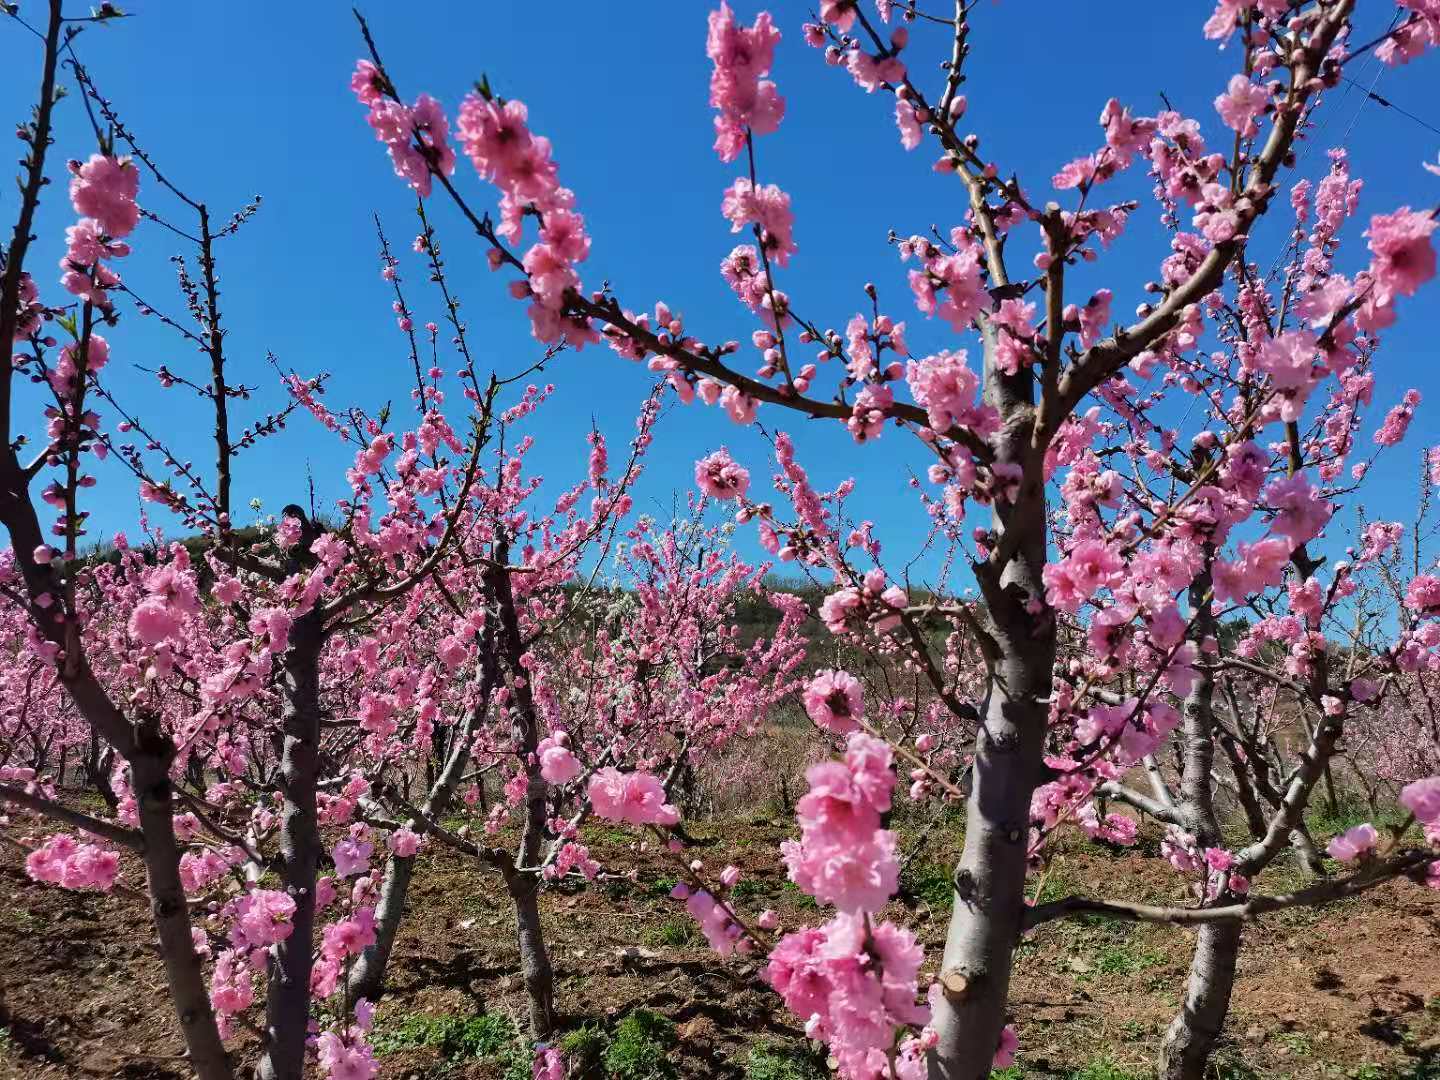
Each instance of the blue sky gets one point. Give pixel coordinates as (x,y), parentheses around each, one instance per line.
(239,99)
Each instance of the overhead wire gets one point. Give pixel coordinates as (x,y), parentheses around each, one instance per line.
(1388,104)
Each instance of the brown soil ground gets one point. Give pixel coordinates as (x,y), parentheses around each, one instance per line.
(1352,992)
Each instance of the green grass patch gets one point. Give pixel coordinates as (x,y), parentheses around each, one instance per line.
(928,881)
(1125,958)
(800,899)
(1297,1043)
(1227,1064)
(1107,1068)
(610,835)
(584,1047)
(486,1037)
(1050,885)
(618,888)
(779,1061)
(640,1048)
(672,933)
(1416,1070)
(750,888)
(1326,821)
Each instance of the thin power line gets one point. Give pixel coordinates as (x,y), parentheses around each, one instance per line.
(1368,92)
(1315,136)
(1384,103)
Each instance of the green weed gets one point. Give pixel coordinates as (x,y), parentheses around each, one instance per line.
(584,1047)
(800,899)
(1124,958)
(457,1038)
(1428,1069)
(775,1061)
(672,932)
(1326,821)
(640,1048)
(930,882)
(1107,1068)
(1228,1065)
(750,888)
(1297,1043)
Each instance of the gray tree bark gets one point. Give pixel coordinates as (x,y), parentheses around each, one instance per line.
(535,966)
(367,976)
(287,1006)
(989,899)
(150,777)
(523,882)
(1192,1035)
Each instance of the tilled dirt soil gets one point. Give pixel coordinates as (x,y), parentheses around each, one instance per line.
(1349,992)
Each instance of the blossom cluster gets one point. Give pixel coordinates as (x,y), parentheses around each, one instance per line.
(62,861)
(745,102)
(634,798)
(103,192)
(1361,842)
(854,978)
(416,136)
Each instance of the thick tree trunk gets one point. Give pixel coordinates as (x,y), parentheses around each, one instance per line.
(150,775)
(287,1007)
(1306,854)
(1332,800)
(367,976)
(989,899)
(1192,1035)
(534,959)
(97,765)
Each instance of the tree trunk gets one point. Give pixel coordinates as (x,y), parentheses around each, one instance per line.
(1193,1033)
(1332,800)
(985,923)
(524,882)
(367,977)
(534,959)
(989,900)
(150,774)
(287,1006)
(1306,855)
(98,765)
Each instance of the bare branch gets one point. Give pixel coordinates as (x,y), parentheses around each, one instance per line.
(1407,863)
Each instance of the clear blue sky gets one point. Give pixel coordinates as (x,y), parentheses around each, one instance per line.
(235,99)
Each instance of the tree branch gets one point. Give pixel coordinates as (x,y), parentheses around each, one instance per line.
(1106,357)
(118,834)
(1324,892)
(1144,803)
